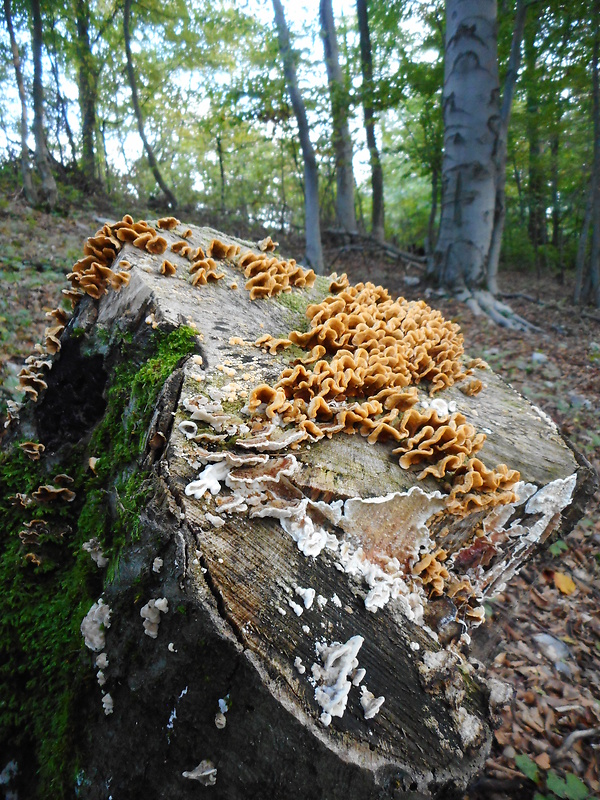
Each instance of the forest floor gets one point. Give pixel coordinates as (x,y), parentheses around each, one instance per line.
(547,621)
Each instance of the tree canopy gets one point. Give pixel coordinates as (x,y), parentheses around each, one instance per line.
(200,115)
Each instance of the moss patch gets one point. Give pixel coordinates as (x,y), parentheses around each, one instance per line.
(43,665)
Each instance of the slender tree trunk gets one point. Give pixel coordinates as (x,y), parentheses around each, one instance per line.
(510,80)
(536,189)
(314,252)
(87,79)
(49,192)
(554,150)
(28,187)
(595,254)
(366,58)
(340,105)
(430,240)
(63,108)
(222,173)
(582,246)
(138,111)
(517,177)
(106,167)
(471,122)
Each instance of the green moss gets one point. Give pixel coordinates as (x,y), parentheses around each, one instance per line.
(42,662)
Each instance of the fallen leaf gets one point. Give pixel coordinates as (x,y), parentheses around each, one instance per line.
(543,761)
(564,583)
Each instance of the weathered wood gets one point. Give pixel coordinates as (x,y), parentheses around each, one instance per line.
(237,631)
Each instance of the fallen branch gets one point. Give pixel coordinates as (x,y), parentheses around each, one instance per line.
(401,255)
(573,737)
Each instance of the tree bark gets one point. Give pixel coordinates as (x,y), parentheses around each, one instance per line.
(340,108)
(580,272)
(430,240)
(172,202)
(221,172)
(536,190)
(510,80)
(471,122)
(87,80)
(594,272)
(28,187)
(225,676)
(314,252)
(367,92)
(49,192)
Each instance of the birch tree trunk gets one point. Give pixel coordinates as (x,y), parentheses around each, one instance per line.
(340,104)
(314,252)
(366,58)
(28,187)
(49,192)
(138,111)
(471,121)
(514,62)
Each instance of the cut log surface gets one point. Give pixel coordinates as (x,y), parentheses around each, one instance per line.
(298,654)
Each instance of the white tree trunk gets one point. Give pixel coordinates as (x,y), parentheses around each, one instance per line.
(471,120)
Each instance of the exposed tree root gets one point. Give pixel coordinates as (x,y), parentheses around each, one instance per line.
(483,303)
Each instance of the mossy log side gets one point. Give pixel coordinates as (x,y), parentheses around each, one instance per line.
(236,636)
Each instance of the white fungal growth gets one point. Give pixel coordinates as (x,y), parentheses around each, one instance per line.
(470,728)
(157,564)
(299,665)
(307,595)
(296,608)
(553,497)
(189,428)
(215,520)
(370,703)
(151,612)
(336,601)
(220,720)
(93,548)
(205,773)
(102,661)
(108,704)
(94,624)
(208,480)
(339,660)
(358,676)
(101,678)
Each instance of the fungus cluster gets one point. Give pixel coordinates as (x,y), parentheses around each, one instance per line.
(379,350)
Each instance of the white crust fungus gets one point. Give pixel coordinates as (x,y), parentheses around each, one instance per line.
(151,612)
(370,703)
(108,704)
(93,548)
(94,624)
(205,773)
(339,660)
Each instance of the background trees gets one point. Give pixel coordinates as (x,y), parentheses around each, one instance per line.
(220,127)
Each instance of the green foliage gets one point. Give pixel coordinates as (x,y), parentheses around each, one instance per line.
(556,548)
(41,656)
(571,787)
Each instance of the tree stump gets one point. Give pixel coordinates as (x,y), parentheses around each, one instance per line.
(225,606)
